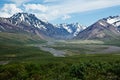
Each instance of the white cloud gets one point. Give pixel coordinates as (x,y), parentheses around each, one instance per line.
(50,0)
(76,6)
(52,11)
(60,10)
(4,14)
(19,2)
(41,11)
(9,9)
(66,17)
(35,7)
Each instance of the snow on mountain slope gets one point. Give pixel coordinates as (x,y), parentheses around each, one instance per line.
(30,19)
(30,23)
(79,28)
(66,27)
(73,28)
(99,30)
(114,20)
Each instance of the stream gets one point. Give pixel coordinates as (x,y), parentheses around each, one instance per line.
(57,53)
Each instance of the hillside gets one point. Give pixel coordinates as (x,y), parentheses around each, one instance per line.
(101,30)
(29,23)
(19,39)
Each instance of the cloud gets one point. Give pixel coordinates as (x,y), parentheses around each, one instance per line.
(41,11)
(53,11)
(19,2)
(77,6)
(35,7)
(69,6)
(9,9)
(66,17)
(45,1)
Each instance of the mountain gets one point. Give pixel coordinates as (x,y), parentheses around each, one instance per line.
(114,20)
(21,22)
(73,29)
(105,29)
(29,23)
(6,26)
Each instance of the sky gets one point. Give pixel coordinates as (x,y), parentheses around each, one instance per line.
(85,12)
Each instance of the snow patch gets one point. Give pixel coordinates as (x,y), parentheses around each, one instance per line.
(22,17)
(117,23)
(102,24)
(67,28)
(114,19)
(79,28)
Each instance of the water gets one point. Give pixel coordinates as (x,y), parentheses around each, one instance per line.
(57,53)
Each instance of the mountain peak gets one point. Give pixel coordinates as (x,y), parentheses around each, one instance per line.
(102,29)
(27,19)
(23,16)
(113,20)
(72,28)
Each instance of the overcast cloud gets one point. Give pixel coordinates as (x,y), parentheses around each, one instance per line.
(51,10)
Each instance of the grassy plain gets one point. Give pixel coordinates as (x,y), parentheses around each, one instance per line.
(82,61)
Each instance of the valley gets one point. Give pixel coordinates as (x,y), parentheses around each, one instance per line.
(45,60)
(63,48)
(31,49)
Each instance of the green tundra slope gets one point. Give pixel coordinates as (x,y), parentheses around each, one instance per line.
(21,62)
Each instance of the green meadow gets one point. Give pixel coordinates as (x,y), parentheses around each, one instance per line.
(84,60)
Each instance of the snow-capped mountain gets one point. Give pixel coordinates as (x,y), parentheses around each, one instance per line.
(106,28)
(73,28)
(79,28)
(114,20)
(30,19)
(30,23)
(6,26)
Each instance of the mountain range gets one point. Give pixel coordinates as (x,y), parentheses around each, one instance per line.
(29,23)
(106,28)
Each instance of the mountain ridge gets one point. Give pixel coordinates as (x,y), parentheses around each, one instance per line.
(30,23)
(102,29)
(105,28)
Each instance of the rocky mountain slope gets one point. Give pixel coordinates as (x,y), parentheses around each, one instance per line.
(24,22)
(106,28)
